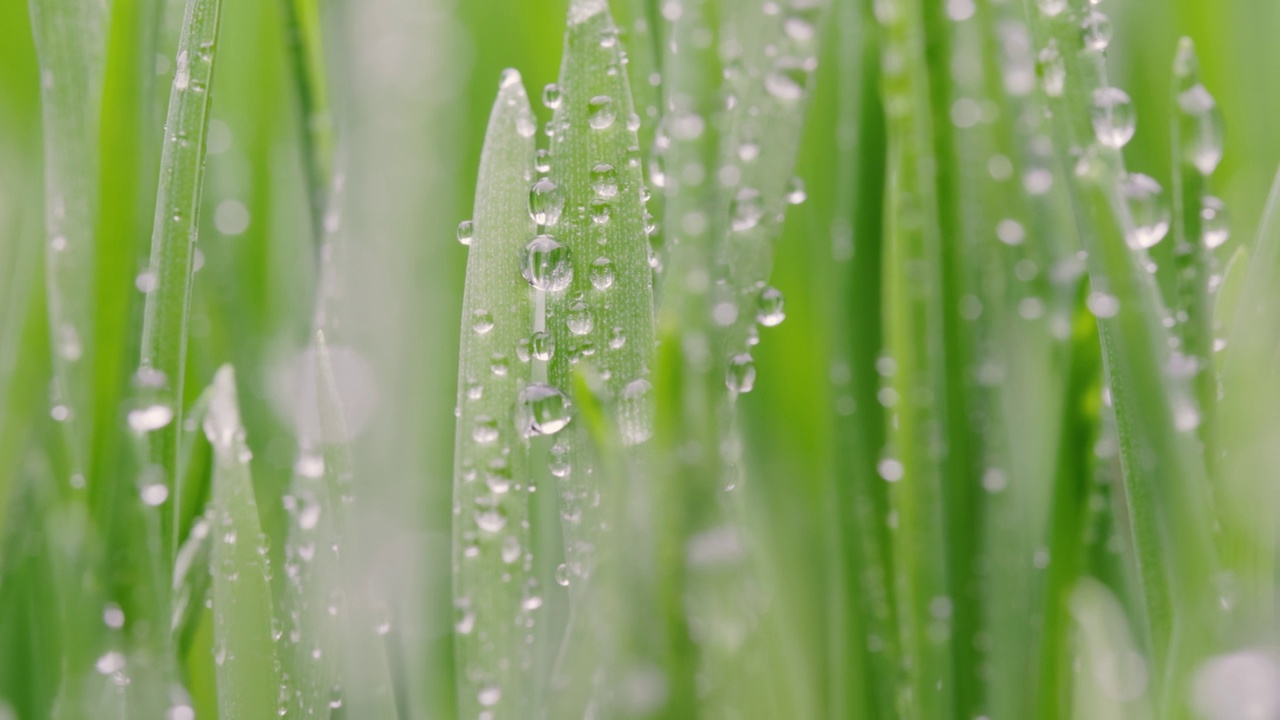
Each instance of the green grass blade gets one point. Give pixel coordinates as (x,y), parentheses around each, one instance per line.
(177,215)
(244,646)
(306,56)
(605,315)
(68,41)
(491,560)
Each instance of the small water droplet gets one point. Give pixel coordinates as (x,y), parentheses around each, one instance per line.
(1103,305)
(491,520)
(481,321)
(747,209)
(154,494)
(1215,226)
(562,575)
(545,202)
(1114,121)
(601,211)
(510,549)
(146,281)
(579,319)
(1051,8)
(602,273)
(551,96)
(635,411)
(182,77)
(485,430)
(542,160)
(499,365)
(466,231)
(541,410)
(600,112)
(770,311)
(741,375)
(1096,32)
(1147,209)
(558,459)
(489,696)
(795,191)
(604,180)
(787,80)
(543,345)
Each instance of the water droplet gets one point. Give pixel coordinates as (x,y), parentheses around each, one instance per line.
(151,417)
(545,202)
(633,122)
(1147,209)
(113,616)
(309,516)
(498,476)
(154,494)
(110,662)
(635,411)
(1102,305)
(1011,232)
(579,319)
(1239,686)
(466,231)
(1202,146)
(617,338)
(481,321)
(1215,226)
(466,621)
(543,345)
(510,549)
(542,410)
(890,469)
(770,312)
(1114,121)
(146,281)
(551,96)
(787,80)
(602,273)
(491,520)
(795,191)
(741,375)
(69,346)
(485,430)
(600,112)
(604,180)
(558,460)
(499,365)
(489,696)
(1051,8)
(747,209)
(1096,32)
(182,77)
(562,575)
(600,212)
(542,160)
(546,264)
(526,124)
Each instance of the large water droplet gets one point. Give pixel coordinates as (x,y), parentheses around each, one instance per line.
(1147,209)
(1113,119)
(600,112)
(545,202)
(542,410)
(1202,147)
(546,264)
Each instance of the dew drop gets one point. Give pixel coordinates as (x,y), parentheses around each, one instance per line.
(600,112)
(1096,32)
(602,273)
(562,575)
(546,264)
(510,549)
(542,160)
(551,96)
(1215,226)
(545,202)
(490,520)
(1113,119)
(747,209)
(795,191)
(600,211)
(542,410)
(1102,305)
(481,321)
(770,312)
(466,231)
(1051,8)
(741,374)
(154,494)
(787,80)
(558,460)
(579,319)
(604,180)
(489,696)
(151,417)
(1147,209)
(543,345)
(485,430)
(1202,146)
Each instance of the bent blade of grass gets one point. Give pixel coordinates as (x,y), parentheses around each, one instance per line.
(68,40)
(491,533)
(244,647)
(177,214)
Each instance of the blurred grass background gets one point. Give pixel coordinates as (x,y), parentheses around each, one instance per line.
(412,85)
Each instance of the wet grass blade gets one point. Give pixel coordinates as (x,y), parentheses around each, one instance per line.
(244,644)
(68,42)
(492,563)
(306,56)
(177,215)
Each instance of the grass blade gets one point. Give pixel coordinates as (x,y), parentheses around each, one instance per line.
(177,214)
(244,646)
(491,543)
